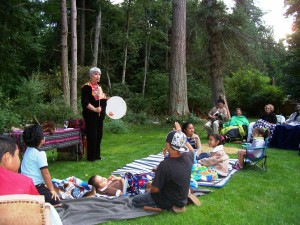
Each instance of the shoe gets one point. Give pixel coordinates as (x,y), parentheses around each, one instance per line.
(178,209)
(193,199)
(236,166)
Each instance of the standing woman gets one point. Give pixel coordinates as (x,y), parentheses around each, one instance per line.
(93,103)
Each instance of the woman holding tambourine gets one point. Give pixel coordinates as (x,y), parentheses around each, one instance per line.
(93,103)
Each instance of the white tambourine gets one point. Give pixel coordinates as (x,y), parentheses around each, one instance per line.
(116,107)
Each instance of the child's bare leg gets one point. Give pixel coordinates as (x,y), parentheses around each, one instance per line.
(241,154)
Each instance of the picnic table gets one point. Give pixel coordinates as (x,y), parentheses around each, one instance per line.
(61,139)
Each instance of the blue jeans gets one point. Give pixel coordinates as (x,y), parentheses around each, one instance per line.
(139,201)
(202,155)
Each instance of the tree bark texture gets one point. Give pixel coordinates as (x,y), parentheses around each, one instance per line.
(64,53)
(96,39)
(177,80)
(74,56)
(82,33)
(146,63)
(126,42)
(215,51)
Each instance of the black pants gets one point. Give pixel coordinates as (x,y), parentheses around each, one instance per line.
(43,190)
(94,133)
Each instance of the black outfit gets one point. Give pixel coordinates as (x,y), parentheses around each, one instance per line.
(43,190)
(173,179)
(93,122)
(271,118)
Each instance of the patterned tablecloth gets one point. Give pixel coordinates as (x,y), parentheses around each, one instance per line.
(61,138)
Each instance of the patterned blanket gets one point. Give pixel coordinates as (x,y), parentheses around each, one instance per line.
(72,187)
(145,165)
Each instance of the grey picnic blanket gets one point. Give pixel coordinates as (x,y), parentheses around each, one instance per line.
(90,211)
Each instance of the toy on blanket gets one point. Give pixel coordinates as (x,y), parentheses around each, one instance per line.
(193,183)
(72,187)
(204,173)
(136,184)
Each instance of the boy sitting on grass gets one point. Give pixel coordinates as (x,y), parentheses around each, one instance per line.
(35,165)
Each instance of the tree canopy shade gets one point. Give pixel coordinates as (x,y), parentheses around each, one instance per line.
(21,27)
(252,90)
(290,80)
(189,53)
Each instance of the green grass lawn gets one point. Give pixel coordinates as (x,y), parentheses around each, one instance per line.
(250,197)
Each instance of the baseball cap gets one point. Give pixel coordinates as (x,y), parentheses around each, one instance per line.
(93,70)
(177,140)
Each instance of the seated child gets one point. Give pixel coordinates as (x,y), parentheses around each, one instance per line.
(113,186)
(35,165)
(11,181)
(217,156)
(259,135)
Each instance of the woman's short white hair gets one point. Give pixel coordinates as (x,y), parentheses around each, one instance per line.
(93,70)
(271,107)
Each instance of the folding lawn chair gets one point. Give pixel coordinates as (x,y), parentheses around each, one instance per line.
(260,162)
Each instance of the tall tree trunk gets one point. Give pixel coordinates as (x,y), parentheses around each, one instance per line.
(82,33)
(107,66)
(96,40)
(167,49)
(126,43)
(64,53)
(74,56)
(177,80)
(146,63)
(215,52)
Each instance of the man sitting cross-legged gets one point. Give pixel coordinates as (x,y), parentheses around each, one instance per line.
(170,186)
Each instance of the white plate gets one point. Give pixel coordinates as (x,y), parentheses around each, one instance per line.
(116,107)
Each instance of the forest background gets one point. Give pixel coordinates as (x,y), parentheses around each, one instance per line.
(47,48)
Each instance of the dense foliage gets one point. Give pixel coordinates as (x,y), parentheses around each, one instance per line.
(257,70)
(290,79)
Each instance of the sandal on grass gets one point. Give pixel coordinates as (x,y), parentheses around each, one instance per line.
(237,166)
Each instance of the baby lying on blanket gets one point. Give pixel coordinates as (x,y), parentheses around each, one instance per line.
(72,187)
(113,186)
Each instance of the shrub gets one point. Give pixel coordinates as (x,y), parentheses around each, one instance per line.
(136,118)
(192,118)
(199,95)
(115,126)
(251,90)
(8,119)
(32,101)
(56,111)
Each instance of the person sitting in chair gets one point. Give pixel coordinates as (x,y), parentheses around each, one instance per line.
(259,135)
(216,116)
(294,118)
(268,120)
(236,127)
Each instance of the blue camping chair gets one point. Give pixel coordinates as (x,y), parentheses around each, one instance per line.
(251,161)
